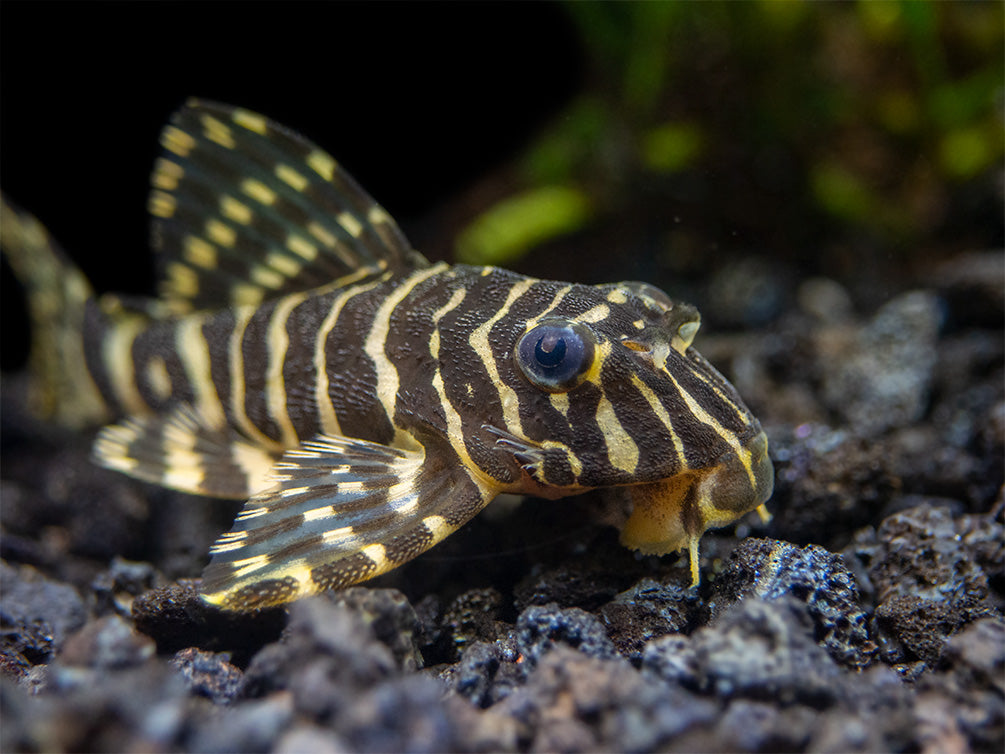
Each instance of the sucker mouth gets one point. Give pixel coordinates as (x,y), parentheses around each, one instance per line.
(673,513)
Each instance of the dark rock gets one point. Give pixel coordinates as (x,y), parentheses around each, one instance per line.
(253,726)
(209,674)
(36,614)
(18,710)
(881,378)
(23,645)
(135,709)
(108,642)
(972,286)
(182,528)
(311,738)
(878,698)
(478,730)
(842,731)
(327,656)
(474,675)
(968,385)
(17,651)
(431,634)
(115,589)
(927,585)
(991,435)
(984,537)
(170,615)
(90,511)
(760,726)
(486,673)
(963,704)
(928,465)
(403,714)
(920,625)
(747,292)
(825,300)
(584,583)
(811,575)
(471,617)
(543,627)
(391,618)
(176,618)
(646,611)
(828,483)
(755,649)
(572,702)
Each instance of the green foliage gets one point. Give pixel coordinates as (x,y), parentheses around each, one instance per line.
(862,117)
(672,146)
(511,227)
(968,151)
(840,191)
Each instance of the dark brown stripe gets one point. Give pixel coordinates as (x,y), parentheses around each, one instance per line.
(217,331)
(159,342)
(406,546)
(95,329)
(299,373)
(344,572)
(654,441)
(255,356)
(464,502)
(352,379)
(466,381)
(265,593)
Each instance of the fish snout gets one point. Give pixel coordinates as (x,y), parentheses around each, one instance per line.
(672,514)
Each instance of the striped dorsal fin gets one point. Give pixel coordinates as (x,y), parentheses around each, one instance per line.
(245,210)
(342,511)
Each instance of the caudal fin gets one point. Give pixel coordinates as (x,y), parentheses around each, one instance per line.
(58,295)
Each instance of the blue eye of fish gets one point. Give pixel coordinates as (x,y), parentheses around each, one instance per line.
(556,355)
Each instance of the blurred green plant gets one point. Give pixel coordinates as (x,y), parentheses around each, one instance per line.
(789,123)
(520,222)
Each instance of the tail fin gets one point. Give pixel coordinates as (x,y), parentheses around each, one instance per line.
(58,297)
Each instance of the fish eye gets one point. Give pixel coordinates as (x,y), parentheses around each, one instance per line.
(555,355)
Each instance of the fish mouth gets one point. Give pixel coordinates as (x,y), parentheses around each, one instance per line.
(673,513)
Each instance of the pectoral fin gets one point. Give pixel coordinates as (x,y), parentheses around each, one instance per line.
(341,511)
(177,450)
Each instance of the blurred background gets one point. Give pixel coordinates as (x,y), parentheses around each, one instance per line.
(722,151)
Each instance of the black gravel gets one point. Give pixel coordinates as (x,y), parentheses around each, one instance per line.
(866,616)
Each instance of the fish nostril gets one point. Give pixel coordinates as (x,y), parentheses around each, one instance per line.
(634,345)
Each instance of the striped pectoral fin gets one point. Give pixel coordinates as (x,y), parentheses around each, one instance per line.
(342,511)
(178,451)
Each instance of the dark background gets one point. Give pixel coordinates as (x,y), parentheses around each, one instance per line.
(416,99)
(724,151)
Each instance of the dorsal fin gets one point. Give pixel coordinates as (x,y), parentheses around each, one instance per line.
(245,210)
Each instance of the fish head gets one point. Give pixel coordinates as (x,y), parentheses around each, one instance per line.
(617,396)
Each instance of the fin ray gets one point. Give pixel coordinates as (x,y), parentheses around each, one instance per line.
(176,450)
(245,210)
(342,511)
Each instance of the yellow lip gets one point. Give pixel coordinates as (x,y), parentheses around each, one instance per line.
(672,514)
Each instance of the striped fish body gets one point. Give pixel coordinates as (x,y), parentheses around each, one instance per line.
(367,403)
